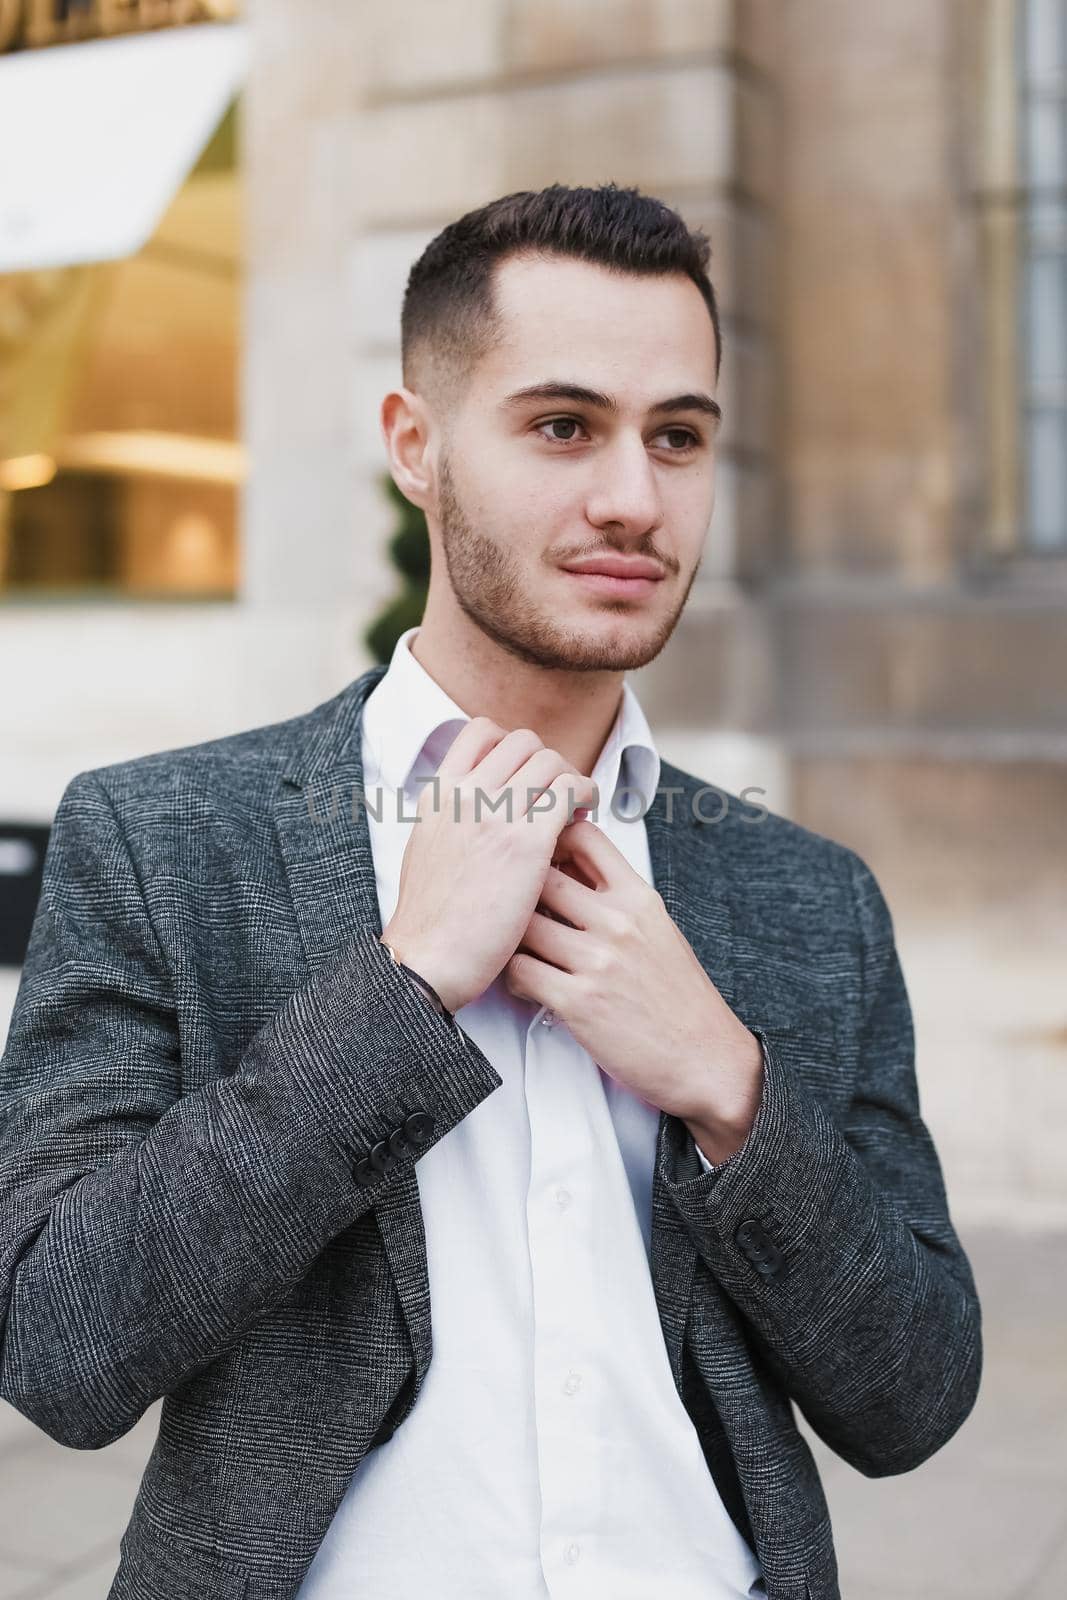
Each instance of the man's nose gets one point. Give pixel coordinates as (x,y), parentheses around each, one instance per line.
(626,491)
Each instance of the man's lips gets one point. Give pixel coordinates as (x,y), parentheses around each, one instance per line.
(620,575)
(617,566)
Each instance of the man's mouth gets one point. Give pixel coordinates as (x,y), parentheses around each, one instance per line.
(630,576)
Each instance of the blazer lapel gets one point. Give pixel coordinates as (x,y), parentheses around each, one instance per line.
(689,873)
(324,837)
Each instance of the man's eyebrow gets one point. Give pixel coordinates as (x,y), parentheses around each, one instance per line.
(604,402)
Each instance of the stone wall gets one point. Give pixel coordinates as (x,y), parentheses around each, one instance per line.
(920,666)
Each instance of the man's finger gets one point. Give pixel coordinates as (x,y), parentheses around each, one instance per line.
(473,741)
(587,845)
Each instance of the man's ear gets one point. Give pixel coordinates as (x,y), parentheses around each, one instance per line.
(405,434)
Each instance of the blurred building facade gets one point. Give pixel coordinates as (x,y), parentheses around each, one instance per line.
(877,636)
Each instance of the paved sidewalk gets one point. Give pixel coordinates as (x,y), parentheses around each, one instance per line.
(985,1519)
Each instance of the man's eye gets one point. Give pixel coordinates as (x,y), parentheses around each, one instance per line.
(560,422)
(688,437)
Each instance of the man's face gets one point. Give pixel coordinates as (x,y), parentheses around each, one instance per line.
(528,484)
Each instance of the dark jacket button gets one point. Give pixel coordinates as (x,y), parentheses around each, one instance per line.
(364,1172)
(759,1248)
(380,1158)
(771,1261)
(418,1126)
(398,1145)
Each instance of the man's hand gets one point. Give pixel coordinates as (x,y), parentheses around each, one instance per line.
(603,953)
(485,830)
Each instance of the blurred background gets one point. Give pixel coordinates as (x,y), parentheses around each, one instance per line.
(207,215)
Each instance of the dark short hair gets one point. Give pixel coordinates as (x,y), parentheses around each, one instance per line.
(448,320)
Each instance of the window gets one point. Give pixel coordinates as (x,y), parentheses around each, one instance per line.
(120,460)
(1041,71)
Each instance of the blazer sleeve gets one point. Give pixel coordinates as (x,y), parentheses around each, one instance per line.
(143,1230)
(871,1320)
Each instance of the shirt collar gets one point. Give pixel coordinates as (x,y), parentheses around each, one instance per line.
(409,722)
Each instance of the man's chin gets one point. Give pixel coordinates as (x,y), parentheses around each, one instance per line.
(615,644)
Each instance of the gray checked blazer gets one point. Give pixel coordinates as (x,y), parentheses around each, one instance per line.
(207,1044)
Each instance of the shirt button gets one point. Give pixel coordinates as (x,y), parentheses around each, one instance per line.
(572,1383)
(571,1554)
(563,1198)
(548,1020)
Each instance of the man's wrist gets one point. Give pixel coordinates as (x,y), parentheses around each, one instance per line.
(419,981)
(719,1133)
(714,1144)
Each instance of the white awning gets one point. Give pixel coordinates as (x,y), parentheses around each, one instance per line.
(96,138)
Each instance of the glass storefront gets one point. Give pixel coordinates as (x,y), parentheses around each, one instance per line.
(120,458)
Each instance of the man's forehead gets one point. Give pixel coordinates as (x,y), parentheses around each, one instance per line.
(609,331)
(525,280)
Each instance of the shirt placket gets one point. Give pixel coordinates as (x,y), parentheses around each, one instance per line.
(562,1161)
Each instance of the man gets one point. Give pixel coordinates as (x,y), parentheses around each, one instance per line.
(451,996)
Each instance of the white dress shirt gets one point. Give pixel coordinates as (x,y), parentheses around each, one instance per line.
(549,1454)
